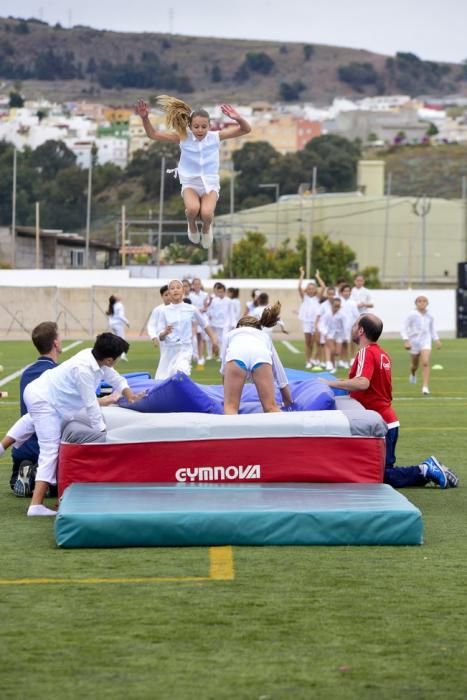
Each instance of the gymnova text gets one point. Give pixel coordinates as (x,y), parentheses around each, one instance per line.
(231,473)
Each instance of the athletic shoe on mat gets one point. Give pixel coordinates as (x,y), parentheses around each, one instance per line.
(425,391)
(24,484)
(436,472)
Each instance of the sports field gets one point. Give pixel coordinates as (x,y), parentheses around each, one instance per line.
(271,623)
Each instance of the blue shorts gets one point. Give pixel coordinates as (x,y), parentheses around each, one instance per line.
(241,364)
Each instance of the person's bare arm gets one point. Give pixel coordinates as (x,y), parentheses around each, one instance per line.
(300,281)
(354,384)
(239,129)
(141,109)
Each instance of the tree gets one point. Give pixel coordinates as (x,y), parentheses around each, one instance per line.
(16,100)
(358,75)
(259,62)
(308,51)
(251,258)
(432,130)
(290,92)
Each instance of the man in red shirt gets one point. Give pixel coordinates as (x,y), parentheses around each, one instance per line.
(370,383)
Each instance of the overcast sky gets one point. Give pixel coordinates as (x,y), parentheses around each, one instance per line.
(431,29)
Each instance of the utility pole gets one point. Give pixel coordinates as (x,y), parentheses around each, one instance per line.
(309,238)
(386,225)
(161,216)
(38,233)
(13,213)
(88,212)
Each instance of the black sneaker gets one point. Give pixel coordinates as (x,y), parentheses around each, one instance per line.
(24,484)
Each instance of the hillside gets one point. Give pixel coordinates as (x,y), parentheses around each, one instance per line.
(115,67)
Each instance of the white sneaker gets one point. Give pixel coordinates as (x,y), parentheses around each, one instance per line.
(412,378)
(207,238)
(425,390)
(308,365)
(40,510)
(193,237)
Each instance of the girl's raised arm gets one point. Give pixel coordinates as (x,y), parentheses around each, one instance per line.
(141,109)
(230,132)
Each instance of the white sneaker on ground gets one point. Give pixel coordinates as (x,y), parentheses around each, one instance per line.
(425,390)
(308,365)
(412,378)
(40,510)
(207,238)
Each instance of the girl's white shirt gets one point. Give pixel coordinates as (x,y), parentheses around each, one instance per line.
(118,315)
(309,308)
(199,158)
(419,327)
(220,313)
(248,337)
(181,316)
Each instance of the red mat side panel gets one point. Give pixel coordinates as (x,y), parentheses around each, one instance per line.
(307,459)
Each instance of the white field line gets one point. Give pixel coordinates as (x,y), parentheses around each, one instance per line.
(10,377)
(290,347)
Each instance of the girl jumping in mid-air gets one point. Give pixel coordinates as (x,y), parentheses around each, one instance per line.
(248,351)
(198,168)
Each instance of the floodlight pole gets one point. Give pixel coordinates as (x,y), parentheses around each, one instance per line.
(161,216)
(13,213)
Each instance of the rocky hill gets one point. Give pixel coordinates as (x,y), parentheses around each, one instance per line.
(116,67)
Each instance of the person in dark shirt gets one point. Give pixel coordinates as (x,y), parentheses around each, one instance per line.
(47,341)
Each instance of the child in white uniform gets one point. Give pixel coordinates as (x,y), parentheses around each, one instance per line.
(418,332)
(249,351)
(200,300)
(175,332)
(198,168)
(332,327)
(220,312)
(117,320)
(309,310)
(350,311)
(57,396)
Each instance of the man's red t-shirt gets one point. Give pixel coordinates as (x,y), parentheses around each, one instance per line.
(374,363)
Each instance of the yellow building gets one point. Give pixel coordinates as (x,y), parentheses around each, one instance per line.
(137,139)
(410,240)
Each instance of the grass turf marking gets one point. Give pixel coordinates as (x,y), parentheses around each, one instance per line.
(221,568)
(290,347)
(16,374)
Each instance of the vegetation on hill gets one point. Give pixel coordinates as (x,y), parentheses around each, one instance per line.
(81,62)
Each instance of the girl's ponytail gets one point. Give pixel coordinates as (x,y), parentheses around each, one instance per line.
(177,114)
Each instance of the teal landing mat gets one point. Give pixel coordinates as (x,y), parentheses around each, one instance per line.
(153,515)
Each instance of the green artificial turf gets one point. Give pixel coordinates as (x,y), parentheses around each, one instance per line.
(325,623)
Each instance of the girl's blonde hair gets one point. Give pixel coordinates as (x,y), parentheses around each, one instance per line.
(269,318)
(178,114)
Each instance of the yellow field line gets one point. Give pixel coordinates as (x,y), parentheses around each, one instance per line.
(221,568)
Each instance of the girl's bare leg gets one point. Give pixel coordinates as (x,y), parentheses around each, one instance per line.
(414,360)
(208,206)
(308,347)
(192,208)
(425,361)
(234,380)
(264,382)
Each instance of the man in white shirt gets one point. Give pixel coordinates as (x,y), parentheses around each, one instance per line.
(57,396)
(361,296)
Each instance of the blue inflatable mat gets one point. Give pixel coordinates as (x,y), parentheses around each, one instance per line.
(181,394)
(294,375)
(148,515)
